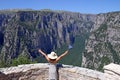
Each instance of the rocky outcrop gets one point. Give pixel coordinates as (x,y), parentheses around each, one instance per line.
(40,72)
(25,72)
(112,70)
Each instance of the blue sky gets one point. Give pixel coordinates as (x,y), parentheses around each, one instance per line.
(82,6)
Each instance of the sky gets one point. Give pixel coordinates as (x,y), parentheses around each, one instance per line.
(82,6)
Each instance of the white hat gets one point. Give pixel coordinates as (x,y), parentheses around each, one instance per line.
(52,55)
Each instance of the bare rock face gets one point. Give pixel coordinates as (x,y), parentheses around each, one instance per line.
(103,44)
(67,72)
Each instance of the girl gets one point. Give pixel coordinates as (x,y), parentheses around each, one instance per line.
(52,58)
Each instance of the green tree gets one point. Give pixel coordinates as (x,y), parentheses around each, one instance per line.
(21,60)
(2,64)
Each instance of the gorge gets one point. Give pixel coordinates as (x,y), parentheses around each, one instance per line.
(95,37)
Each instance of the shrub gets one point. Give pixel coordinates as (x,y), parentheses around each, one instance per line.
(21,60)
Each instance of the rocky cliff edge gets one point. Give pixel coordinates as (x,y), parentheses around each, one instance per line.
(39,71)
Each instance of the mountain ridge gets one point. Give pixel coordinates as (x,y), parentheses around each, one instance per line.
(23,32)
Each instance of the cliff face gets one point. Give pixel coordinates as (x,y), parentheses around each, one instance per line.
(103,44)
(23,32)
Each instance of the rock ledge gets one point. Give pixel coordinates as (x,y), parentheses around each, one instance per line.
(39,71)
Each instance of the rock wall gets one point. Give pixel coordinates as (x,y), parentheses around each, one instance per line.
(102,46)
(40,72)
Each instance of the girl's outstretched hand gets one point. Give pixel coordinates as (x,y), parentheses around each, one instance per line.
(70,47)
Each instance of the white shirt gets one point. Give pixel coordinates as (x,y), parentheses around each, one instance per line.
(52,72)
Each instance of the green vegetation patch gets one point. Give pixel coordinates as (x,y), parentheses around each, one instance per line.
(114,53)
(104,61)
(74,57)
(21,60)
(101,32)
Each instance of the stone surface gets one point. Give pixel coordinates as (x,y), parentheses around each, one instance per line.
(25,72)
(77,73)
(67,72)
(113,70)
